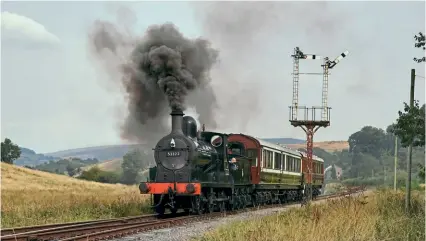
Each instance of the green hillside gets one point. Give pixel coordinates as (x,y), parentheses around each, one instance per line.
(31,158)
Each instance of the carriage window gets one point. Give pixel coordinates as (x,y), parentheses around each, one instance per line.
(287,164)
(297,169)
(293,164)
(268,159)
(264,158)
(282,162)
(277,164)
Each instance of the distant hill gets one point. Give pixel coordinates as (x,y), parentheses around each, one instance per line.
(102,153)
(284,141)
(31,158)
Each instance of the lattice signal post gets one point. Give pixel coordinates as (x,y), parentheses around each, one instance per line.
(309,123)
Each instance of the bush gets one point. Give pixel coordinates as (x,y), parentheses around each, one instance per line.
(97,175)
(369,181)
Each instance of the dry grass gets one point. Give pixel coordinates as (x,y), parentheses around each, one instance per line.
(377,217)
(30,197)
(330,146)
(113,165)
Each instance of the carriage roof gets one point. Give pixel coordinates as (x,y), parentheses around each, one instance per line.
(285,149)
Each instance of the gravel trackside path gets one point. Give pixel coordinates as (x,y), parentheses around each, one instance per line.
(196,229)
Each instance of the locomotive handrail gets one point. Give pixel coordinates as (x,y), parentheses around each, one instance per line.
(238,155)
(174,149)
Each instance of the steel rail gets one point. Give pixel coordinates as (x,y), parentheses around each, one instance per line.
(112,228)
(19,230)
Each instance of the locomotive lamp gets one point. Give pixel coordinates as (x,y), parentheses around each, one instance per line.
(143,188)
(190,188)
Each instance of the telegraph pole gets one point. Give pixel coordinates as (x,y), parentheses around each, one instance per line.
(395,164)
(410,148)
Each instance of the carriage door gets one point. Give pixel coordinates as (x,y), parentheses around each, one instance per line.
(254,169)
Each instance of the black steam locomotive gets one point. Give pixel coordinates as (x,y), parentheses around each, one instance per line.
(192,170)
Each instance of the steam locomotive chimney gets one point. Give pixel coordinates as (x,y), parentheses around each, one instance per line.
(177,119)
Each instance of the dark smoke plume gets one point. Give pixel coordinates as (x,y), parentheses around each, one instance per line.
(157,70)
(173,63)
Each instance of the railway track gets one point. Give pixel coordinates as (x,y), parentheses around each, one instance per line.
(119,227)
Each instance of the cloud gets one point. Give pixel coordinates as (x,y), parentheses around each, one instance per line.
(23,30)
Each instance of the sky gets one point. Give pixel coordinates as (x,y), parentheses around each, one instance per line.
(54,98)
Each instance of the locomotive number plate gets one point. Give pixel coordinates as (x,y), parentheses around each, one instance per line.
(173,153)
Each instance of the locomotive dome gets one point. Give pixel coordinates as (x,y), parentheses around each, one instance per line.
(189,126)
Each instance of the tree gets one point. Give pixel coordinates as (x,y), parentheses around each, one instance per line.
(390,141)
(71,170)
(98,175)
(368,140)
(410,125)
(132,163)
(420,43)
(9,151)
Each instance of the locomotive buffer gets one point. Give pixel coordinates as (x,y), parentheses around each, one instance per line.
(309,123)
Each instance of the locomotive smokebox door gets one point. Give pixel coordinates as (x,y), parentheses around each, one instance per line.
(172,152)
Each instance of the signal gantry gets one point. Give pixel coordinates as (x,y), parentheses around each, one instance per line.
(309,123)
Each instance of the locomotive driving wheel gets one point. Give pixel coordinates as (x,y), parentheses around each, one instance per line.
(210,203)
(231,206)
(222,204)
(237,202)
(197,205)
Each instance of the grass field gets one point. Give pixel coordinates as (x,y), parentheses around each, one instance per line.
(380,216)
(30,197)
